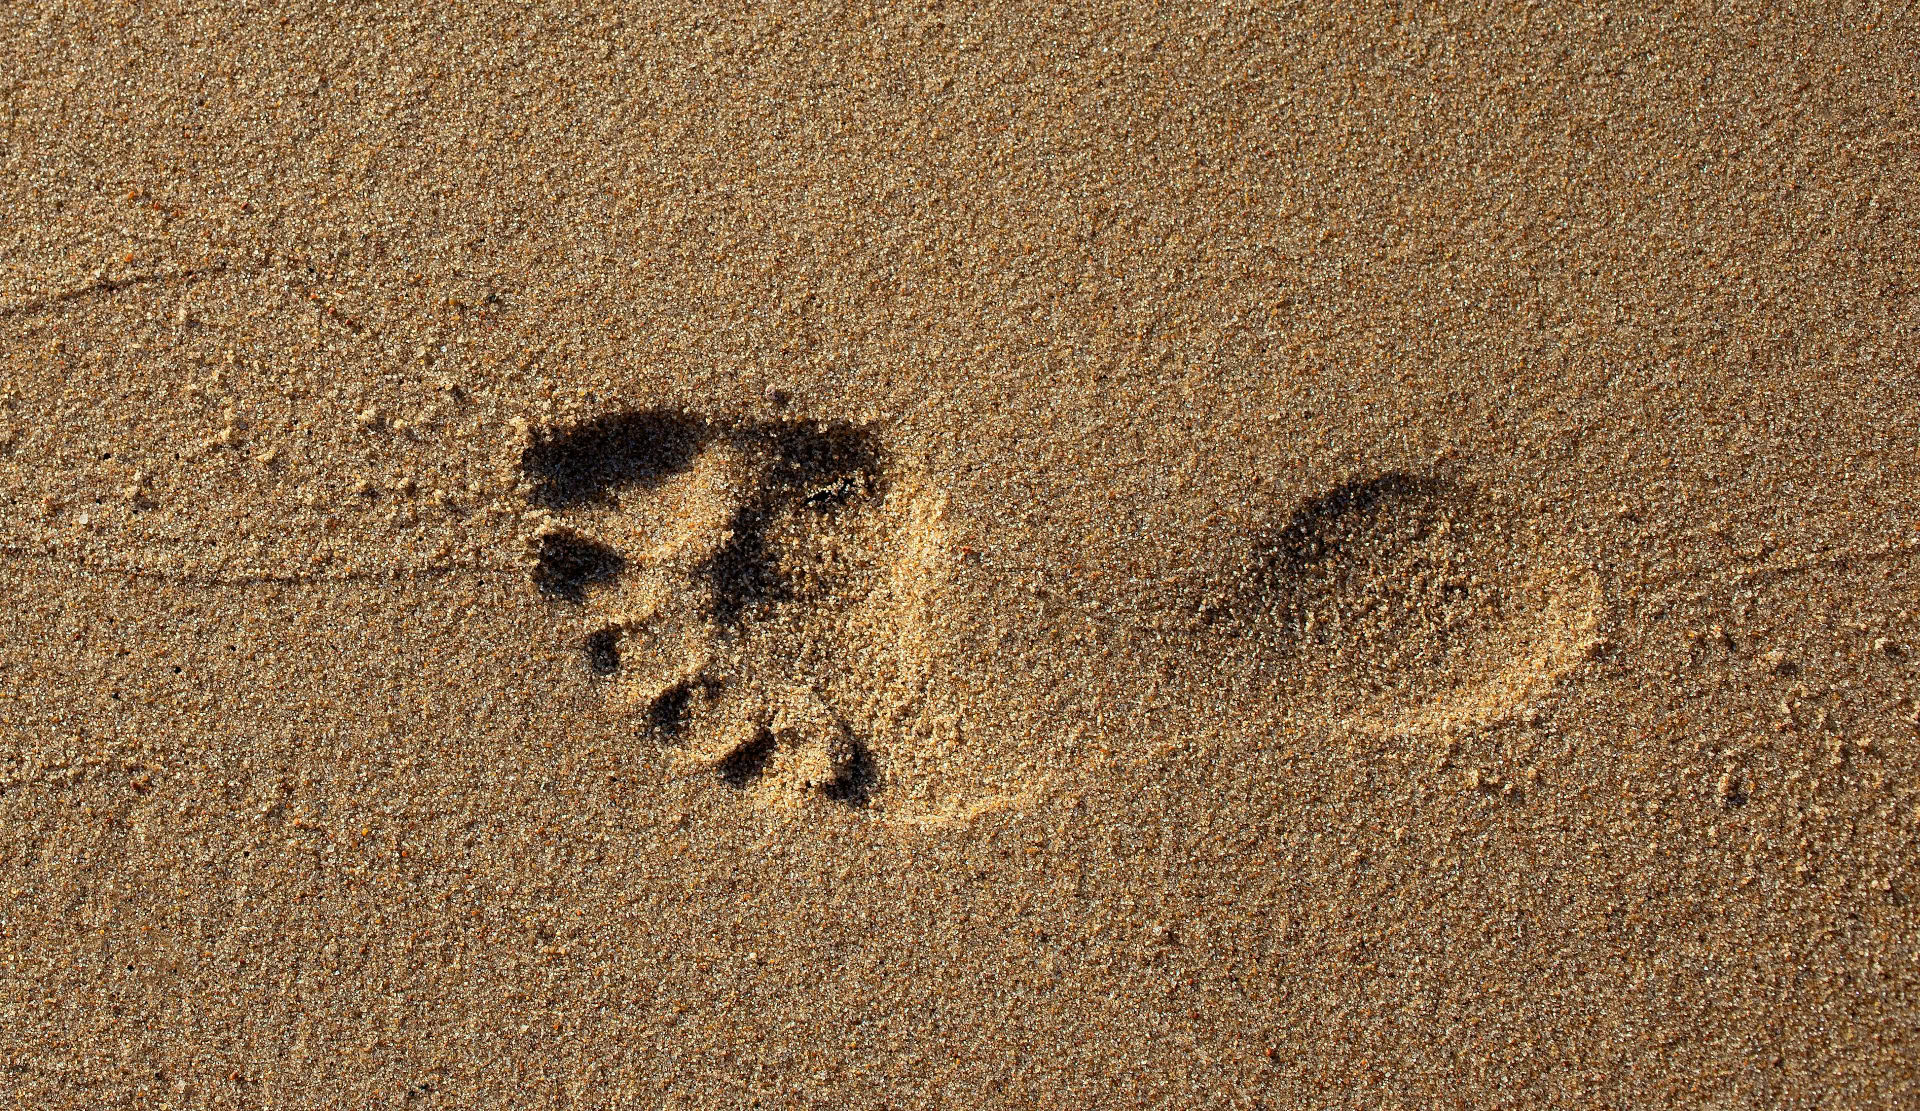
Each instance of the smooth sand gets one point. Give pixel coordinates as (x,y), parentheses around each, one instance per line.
(933,556)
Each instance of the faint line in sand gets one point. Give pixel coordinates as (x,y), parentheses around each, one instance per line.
(1787,568)
(248,576)
(188,275)
(105,286)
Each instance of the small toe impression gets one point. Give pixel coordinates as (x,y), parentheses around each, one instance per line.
(787,748)
(602,648)
(567,563)
(670,710)
(748,762)
(823,756)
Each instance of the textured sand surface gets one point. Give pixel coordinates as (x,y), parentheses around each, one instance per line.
(959,555)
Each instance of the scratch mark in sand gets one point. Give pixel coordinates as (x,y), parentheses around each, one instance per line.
(257,576)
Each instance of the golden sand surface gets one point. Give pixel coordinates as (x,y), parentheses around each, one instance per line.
(959,555)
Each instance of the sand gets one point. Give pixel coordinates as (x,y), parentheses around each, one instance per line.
(923,556)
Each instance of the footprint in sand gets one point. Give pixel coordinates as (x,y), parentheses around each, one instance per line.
(755,592)
(1410,604)
(757,595)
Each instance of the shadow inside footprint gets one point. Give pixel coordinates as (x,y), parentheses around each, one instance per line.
(585,462)
(811,467)
(1392,547)
(1325,526)
(1405,598)
(749,762)
(603,651)
(670,710)
(856,782)
(732,575)
(567,563)
(1376,584)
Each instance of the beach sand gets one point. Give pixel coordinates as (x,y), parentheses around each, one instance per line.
(959,555)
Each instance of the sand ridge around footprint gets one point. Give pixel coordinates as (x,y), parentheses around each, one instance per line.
(754,597)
